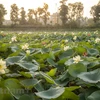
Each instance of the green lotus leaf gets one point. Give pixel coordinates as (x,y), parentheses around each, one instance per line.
(13,60)
(28,66)
(47,77)
(91,77)
(51,93)
(26,97)
(75,69)
(92,52)
(14,87)
(29,83)
(52,72)
(94,96)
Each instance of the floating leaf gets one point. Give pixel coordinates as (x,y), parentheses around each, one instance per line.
(52,72)
(69,62)
(26,97)
(26,74)
(66,54)
(92,52)
(47,77)
(80,49)
(29,83)
(28,66)
(13,60)
(91,77)
(51,62)
(72,88)
(76,69)
(51,93)
(68,95)
(94,96)
(52,56)
(14,87)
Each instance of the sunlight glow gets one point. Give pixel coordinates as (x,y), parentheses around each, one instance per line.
(53,5)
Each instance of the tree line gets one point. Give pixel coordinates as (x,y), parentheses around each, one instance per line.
(33,16)
(68,13)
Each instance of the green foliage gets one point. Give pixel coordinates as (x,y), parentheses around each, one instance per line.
(75,12)
(14,14)
(75,69)
(30,16)
(29,83)
(63,12)
(45,13)
(51,93)
(46,71)
(2,13)
(89,76)
(23,16)
(26,97)
(95,12)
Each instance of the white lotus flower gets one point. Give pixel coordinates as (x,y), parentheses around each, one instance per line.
(64,34)
(73,33)
(77,59)
(75,37)
(36,39)
(19,33)
(66,40)
(13,39)
(10,42)
(96,32)
(29,33)
(66,48)
(1,31)
(55,33)
(2,66)
(89,41)
(25,46)
(97,40)
(28,52)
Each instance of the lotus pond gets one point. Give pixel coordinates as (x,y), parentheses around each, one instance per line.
(50,65)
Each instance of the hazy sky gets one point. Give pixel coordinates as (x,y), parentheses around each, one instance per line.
(53,4)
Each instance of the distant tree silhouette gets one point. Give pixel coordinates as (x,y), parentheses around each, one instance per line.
(63,11)
(14,14)
(22,16)
(75,12)
(95,12)
(44,13)
(3,12)
(30,16)
(40,11)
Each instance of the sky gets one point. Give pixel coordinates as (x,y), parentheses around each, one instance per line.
(53,5)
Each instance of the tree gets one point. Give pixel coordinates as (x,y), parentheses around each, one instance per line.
(75,10)
(63,12)
(40,12)
(92,11)
(14,14)
(75,13)
(35,13)
(2,13)
(22,16)
(30,16)
(44,13)
(95,12)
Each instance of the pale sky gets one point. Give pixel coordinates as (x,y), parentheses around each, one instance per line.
(53,4)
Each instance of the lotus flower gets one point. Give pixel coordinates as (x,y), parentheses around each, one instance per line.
(2,66)
(77,59)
